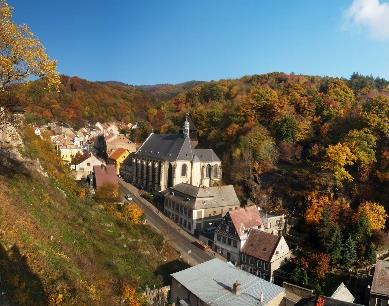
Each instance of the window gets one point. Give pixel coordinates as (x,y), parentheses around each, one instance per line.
(88,164)
(208,171)
(184,169)
(229,241)
(234,244)
(214,212)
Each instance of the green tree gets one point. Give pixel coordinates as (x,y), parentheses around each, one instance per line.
(286,129)
(330,237)
(376,113)
(362,144)
(371,255)
(349,253)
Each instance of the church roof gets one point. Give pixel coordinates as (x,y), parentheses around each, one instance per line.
(206,155)
(169,147)
(203,197)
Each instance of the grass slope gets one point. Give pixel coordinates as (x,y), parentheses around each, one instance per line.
(57,248)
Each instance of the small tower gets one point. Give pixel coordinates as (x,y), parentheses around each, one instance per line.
(186,126)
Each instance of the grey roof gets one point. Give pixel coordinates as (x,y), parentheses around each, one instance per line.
(203,197)
(380,283)
(212,281)
(343,294)
(168,147)
(206,155)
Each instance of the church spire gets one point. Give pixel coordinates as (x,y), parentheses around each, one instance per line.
(186,126)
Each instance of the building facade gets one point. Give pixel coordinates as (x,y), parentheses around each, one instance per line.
(263,253)
(198,208)
(165,160)
(85,167)
(231,234)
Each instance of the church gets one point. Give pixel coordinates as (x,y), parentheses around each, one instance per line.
(166,160)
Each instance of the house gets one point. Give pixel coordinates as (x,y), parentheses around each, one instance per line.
(117,158)
(84,167)
(119,141)
(263,253)
(105,175)
(166,160)
(218,283)
(379,292)
(343,294)
(273,224)
(198,208)
(232,233)
(68,152)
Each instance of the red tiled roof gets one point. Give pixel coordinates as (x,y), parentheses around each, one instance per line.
(260,245)
(245,218)
(117,153)
(105,174)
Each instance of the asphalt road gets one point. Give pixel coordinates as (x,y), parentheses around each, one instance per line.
(176,236)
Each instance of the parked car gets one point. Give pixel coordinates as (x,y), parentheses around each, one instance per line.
(128,197)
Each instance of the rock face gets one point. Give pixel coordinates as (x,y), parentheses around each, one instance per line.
(10,140)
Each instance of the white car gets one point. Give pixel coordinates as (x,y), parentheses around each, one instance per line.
(128,197)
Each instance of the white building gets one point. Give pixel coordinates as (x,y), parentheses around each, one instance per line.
(85,167)
(165,160)
(198,208)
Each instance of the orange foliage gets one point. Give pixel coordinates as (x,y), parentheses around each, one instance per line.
(129,296)
(133,213)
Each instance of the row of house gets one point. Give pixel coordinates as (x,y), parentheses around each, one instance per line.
(189,182)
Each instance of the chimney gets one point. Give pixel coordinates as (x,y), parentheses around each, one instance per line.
(236,288)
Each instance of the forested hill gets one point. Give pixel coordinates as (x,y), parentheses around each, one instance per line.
(304,133)
(283,136)
(79,101)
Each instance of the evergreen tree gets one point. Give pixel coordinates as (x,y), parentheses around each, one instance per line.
(330,236)
(371,255)
(349,253)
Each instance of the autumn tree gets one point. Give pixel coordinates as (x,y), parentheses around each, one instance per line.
(375,214)
(337,158)
(21,54)
(133,213)
(376,113)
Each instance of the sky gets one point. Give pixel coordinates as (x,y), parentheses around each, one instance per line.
(154,42)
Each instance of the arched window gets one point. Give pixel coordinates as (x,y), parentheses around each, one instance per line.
(184,170)
(209,171)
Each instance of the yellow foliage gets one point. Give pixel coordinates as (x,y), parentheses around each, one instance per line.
(374,212)
(337,157)
(129,296)
(21,54)
(133,213)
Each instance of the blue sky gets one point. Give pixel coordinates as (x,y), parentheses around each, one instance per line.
(154,41)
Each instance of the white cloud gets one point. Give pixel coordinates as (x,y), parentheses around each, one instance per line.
(372,15)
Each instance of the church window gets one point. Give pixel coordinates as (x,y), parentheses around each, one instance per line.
(208,171)
(184,169)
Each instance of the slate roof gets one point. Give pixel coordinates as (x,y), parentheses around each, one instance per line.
(245,218)
(117,153)
(206,155)
(203,197)
(261,245)
(212,281)
(343,294)
(168,147)
(105,174)
(380,283)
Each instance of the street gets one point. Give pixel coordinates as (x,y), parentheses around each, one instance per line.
(176,236)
